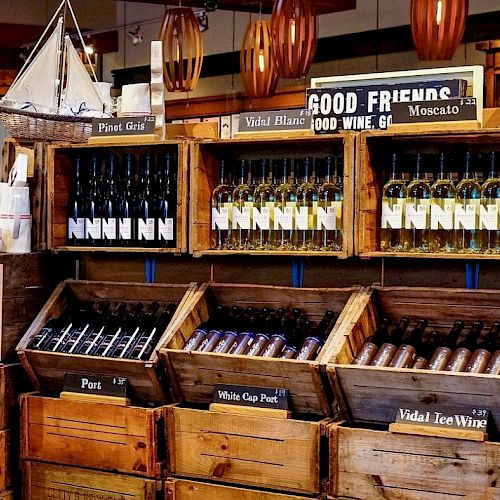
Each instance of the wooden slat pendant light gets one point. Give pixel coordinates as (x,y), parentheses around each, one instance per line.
(258,70)
(182,49)
(438,27)
(294,30)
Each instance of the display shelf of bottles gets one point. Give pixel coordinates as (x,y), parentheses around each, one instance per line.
(264,318)
(118,198)
(273,196)
(445,358)
(428,195)
(103,328)
(366,462)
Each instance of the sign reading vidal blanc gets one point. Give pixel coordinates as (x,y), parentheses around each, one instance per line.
(137,125)
(435,111)
(95,384)
(271,121)
(263,397)
(447,417)
(364,107)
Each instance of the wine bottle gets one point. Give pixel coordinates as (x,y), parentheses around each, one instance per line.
(82,325)
(305,210)
(241,233)
(468,201)
(109,205)
(417,211)
(97,324)
(443,353)
(425,350)
(165,225)
(384,355)
(481,357)
(442,211)
(394,196)
(51,330)
(463,352)
(490,210)
(373,343)
(494,364)
(113,323)
(127,206)
(329,208)
(286,199)
(145,205)
(93,223)
(222,211)
(76,208)
(263,211)
(405,355)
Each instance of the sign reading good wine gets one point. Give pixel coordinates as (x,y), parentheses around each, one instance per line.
(369,106)
(262,397)
(95,384)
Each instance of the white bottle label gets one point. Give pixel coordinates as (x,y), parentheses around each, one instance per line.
(302,218)
(442,218)
(76,228)
(417,217)
(146,229)
(220,218)
(109,228)
(261,218)
(392,217)
(166,229)
(467,217)
(283,218)
(125,228)
(488,216)
(327,218)
(241,218)
(93,228)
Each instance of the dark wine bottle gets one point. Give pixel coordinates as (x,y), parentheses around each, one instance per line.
(407,351)
(127,206)
(97,326)
(93,222)
(463,352)
(443,353)
(109,205)
(384,355)
(165,223)
(373,344)
(76,208)
(145,206)
(480,358)
(113,323)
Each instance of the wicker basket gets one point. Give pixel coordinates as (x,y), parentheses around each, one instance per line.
(39,126)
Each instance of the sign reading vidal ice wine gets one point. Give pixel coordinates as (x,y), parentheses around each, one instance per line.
(138,125)
(272,121)
(263,397)
(101,385)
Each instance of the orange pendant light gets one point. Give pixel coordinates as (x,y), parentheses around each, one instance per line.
(182,49)
(257,67)
(294,30)
(438,27)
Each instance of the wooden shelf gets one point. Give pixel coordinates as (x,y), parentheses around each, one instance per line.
(115,249)
(432,255)
(273,253)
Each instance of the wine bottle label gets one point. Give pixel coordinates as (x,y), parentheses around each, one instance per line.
(442,218)
(93,228)
(125,229)
(302,218)
(146,229)
(166,229)
(109,228)
(241,218)
(76,228)
(488,216)
(392,217)
(417,217)
(283,218)
(220,218)
(327,218)
(261,218)
(467,217)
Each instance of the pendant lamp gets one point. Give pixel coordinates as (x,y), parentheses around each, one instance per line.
(257,67)
(182,49)
(438,27)
(294,29)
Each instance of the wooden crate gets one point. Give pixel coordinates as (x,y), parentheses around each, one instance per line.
(258,451)
(125,439)
(6,456)
(60,179)
(192,374)
(47,369)
(372,394)
(13,381)
(204,177)
(375,464)
(184,489)
(373,171)
(42,481)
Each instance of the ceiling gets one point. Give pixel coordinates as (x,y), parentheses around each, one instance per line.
(322,6)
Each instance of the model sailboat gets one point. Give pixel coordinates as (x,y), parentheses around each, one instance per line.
(53,96)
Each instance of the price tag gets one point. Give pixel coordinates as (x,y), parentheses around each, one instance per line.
(262,397)
(96,384)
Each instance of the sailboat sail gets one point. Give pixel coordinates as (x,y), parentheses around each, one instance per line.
(37,85)
(80,93)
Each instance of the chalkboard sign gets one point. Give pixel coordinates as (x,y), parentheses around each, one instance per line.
(262,397)
(435,111)
(95,384)
(137,125)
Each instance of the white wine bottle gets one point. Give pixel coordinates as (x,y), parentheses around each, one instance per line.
(393,207)
(263,210)
(307,197)
(241,234)
(286,199)
(222,202)
(490,210)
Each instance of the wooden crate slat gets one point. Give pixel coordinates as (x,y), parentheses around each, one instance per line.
(13,381)
(185,489)
(266,452)
(43,480)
